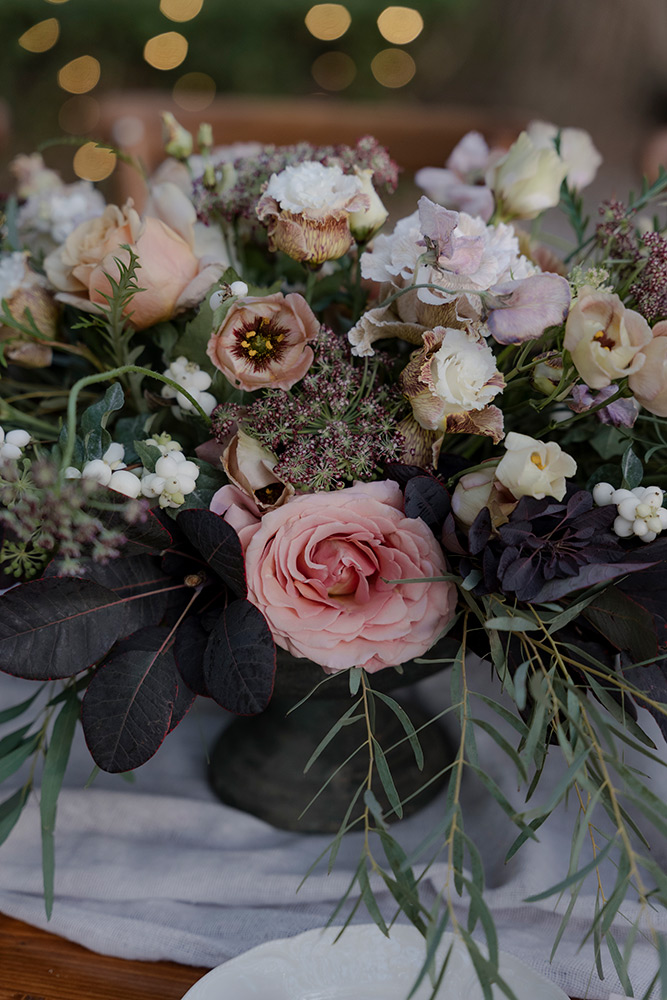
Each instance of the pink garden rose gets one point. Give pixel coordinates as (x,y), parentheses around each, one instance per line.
(316,568)
(263,341)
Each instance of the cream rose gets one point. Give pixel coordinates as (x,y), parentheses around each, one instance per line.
(318,568)
(649,383)
(604,338)
(527,180)
(534,468)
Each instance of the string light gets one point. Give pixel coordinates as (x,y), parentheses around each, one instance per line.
(393,68)
(166,51)
(334,70)
(41,37)
(80,75)
(194,91)
(93,163)
(400,25)
(328,21)
(181,10)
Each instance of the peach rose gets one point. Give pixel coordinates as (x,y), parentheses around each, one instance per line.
(317,568)
(604,338)
(263,341)
(649,384)
(169,273)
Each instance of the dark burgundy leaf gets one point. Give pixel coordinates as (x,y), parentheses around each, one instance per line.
(149,535)
(127,709)
(579,503)
(190,645)
(240,661)
(402,474)
(218,543)
(138,579)
(624,623)
(428,499)
(55,628)
(588,575)
(480,532)
(652,681)
(185,699)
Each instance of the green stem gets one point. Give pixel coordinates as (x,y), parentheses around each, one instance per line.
(105,377)
(357,289)
(428,284)
(311,281)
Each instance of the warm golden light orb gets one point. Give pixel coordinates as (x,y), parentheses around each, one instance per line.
(80,75)
(393,68)
(194,91)
(181,10)
(400,25)
(166,51)
(93,163)
(333,70)
(328,21)
(41,37)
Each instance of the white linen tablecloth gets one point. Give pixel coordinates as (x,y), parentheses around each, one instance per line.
(159,869)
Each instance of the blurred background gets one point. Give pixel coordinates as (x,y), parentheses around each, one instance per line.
(418,76)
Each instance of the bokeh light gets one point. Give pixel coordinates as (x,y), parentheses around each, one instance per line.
(181,10)
(393,68)
(93,163)
(194,91)
(80,75)
(166,51)
(334,70)
(79,115)
(56,1)
(328,21)
(41,37)
(400,25)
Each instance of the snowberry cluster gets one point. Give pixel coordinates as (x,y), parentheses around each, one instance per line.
(110,470)
(640,511)
(191,377)
(12,443)
(173,479)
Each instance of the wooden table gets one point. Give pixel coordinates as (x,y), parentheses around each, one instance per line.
(36,965)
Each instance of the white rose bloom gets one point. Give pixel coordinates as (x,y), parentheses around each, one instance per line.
(462,369)
(527,180)
(534,468)
(577,151)
(313,189)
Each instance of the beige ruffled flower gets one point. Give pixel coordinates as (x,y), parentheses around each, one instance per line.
(306,209)
(25,292)
(604,338)
(451,383)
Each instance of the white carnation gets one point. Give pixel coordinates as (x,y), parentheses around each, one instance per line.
(462,369)
(313,189)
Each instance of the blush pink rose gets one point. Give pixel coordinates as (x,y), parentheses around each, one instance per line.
(263,341)
(316,567)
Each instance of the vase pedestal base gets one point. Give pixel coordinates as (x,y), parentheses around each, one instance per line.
(258,763)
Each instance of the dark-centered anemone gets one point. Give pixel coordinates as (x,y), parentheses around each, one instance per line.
(261,343)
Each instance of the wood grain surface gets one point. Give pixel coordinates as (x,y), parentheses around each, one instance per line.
(36,965)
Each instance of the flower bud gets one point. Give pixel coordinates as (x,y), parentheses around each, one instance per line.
(205,137)
(177,140)
(365,222)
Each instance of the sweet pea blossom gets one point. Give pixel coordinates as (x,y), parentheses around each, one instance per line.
(534,468)
(527,180)
(306,209)
(604,338)
(458,185)
(579,155)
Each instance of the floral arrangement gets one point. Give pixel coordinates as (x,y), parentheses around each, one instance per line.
(247,418)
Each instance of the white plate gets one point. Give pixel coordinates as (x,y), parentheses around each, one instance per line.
(363,965)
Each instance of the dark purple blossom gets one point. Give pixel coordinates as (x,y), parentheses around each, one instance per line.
(620,413)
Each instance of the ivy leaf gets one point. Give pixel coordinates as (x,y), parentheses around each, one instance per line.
(148,454)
